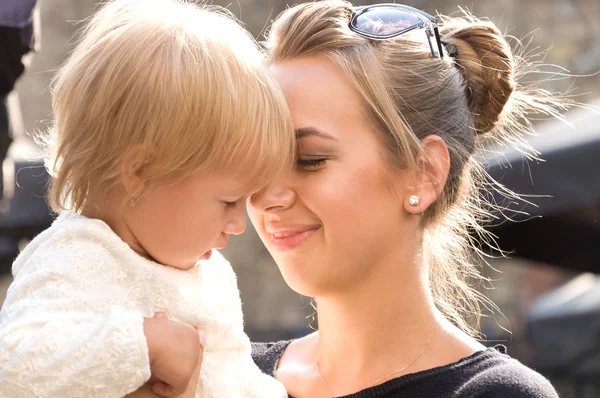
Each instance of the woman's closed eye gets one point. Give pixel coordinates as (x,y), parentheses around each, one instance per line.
(312,163)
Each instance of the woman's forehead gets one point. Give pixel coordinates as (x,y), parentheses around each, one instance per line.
(319,93)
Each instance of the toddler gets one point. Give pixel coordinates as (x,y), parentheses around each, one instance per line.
(166,120)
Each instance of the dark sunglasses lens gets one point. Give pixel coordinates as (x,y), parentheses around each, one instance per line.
(384,21)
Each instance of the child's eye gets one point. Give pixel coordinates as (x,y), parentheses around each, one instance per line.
(230,204)
(311,163)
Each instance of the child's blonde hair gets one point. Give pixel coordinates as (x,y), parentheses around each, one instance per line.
(183,81)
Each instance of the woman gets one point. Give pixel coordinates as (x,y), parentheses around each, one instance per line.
(374,222)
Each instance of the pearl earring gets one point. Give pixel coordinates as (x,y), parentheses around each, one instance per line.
(414,200)
(133,202)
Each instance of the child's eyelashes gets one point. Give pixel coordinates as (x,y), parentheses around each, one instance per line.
(232,204)
(311,163)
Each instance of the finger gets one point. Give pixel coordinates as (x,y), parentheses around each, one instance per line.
(160,389)
(195,376)
(165,390)
(200,355)
(195,379)
(153,380)
(201,336)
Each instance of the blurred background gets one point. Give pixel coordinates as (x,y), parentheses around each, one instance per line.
(548,290)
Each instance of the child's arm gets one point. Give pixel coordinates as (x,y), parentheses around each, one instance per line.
(63,332)
(72,354)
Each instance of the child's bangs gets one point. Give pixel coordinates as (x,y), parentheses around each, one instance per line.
(257,142)
(242,112)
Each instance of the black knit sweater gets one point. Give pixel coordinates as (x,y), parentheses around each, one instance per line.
(485,374)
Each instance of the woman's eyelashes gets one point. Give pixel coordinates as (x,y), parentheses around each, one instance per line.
(311,163)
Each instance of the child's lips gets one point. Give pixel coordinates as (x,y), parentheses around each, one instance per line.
(206,255)
(219,246)
(223,244)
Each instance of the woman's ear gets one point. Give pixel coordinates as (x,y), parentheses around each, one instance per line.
(430,177)
(133,169)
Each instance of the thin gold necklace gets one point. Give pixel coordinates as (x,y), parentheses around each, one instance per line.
(381,378)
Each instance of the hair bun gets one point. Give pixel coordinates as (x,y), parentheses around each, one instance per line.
(486,62)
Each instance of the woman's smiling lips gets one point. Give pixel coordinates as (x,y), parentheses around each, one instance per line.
(284,238)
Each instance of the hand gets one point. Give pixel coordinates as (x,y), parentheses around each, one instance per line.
(145,391)
(191,391)
(175,351)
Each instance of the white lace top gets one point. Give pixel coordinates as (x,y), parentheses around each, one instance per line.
(72,322)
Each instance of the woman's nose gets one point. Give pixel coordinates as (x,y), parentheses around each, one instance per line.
(272,198)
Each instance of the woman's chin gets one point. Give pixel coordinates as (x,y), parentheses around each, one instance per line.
(305,280)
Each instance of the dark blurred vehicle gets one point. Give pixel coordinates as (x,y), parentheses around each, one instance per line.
(561,224)
(23,210)
(16,40)
(564,331)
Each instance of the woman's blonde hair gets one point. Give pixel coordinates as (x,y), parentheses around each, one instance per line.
(185,82)
(467,100)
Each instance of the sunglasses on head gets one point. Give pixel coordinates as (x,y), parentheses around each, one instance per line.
(385,21)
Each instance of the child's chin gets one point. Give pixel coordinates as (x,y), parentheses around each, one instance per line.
(184,266)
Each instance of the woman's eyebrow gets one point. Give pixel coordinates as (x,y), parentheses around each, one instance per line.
(312,131)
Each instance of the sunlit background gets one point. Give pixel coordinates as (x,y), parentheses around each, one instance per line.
(547,290)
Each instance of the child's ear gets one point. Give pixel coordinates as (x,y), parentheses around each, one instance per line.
(430,177)
(133,169)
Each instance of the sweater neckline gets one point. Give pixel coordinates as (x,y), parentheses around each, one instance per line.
(401,381)
(404,380)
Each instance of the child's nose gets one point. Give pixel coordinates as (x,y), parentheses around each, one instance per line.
(237,225)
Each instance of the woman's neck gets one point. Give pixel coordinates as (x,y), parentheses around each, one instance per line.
(380,326)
